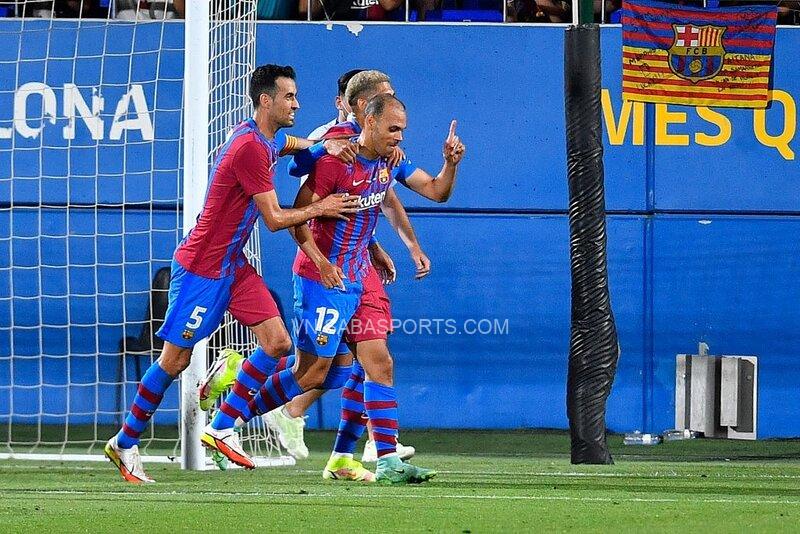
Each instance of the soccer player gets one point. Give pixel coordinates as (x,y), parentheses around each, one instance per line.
(209,270)
(289,421)
(368,331)
(325,301)
(371,325)
(340,103)
(361,88)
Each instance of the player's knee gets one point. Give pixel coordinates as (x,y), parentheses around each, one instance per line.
(278,345)
(383,362)
(273,337)
(382,374)
(380,368)
(174,360)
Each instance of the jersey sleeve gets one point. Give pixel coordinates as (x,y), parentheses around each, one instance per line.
(302,162)
(286,144)
(253,167)
(403,171)
(325,177)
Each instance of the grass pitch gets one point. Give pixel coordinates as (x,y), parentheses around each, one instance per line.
(487,482)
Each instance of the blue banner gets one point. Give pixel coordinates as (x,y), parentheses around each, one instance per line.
(704,220)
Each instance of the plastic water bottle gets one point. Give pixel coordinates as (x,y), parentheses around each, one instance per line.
(637,438)
(680,435)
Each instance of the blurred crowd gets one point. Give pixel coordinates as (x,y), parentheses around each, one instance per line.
(531,11)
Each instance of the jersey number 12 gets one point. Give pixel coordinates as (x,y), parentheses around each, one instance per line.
(329,326)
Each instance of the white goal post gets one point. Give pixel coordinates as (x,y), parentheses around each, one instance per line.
(196,156)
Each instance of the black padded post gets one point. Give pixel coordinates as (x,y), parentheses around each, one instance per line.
(593,350)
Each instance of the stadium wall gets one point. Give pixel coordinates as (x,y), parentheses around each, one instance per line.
(703,227)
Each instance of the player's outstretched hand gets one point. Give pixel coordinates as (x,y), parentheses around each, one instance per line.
(338,205)
(453,149)
(397,157)
(331,276)
(422,263)
(383,264)
(344,149)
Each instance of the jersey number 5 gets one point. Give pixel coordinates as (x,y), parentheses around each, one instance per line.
(196,317)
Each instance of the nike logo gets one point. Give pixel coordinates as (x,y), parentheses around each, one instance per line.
(356,184)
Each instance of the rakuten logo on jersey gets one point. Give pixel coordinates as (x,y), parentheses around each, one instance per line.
(374,199)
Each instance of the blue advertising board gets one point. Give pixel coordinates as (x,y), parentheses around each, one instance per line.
(703,231)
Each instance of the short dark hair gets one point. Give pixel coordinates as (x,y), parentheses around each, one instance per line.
(377,104)
(263,80)
(345,78)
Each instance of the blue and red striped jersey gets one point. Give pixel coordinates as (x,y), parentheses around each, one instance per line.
(243,167)
(345,243)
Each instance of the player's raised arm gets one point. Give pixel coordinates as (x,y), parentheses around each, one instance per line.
(440,187)
(395,212)
(278,218)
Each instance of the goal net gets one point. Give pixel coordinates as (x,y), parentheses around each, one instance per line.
(91,209)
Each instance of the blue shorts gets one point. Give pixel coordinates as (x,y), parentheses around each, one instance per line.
(321,316)
(197,304)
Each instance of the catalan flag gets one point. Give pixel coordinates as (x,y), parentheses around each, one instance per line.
(698,57)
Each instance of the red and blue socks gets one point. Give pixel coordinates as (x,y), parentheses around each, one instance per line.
(353,419)
(151,390)
(282,387)
(381,404)
(254,372)
(279,389)
(287,362)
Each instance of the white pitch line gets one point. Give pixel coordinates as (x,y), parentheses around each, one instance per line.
(522,474)
(568,474)
(139,495)
(516,474)
(29,467)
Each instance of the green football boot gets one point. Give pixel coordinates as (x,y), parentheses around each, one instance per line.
(344,468)
(392,470)
(219,377)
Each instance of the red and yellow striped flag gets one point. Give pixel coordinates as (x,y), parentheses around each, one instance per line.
(698,57)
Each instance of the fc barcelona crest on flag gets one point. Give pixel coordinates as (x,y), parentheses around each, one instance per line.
(679,54)
(697,52)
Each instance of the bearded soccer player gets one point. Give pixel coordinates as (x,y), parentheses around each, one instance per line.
(210,273)
(328,288)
